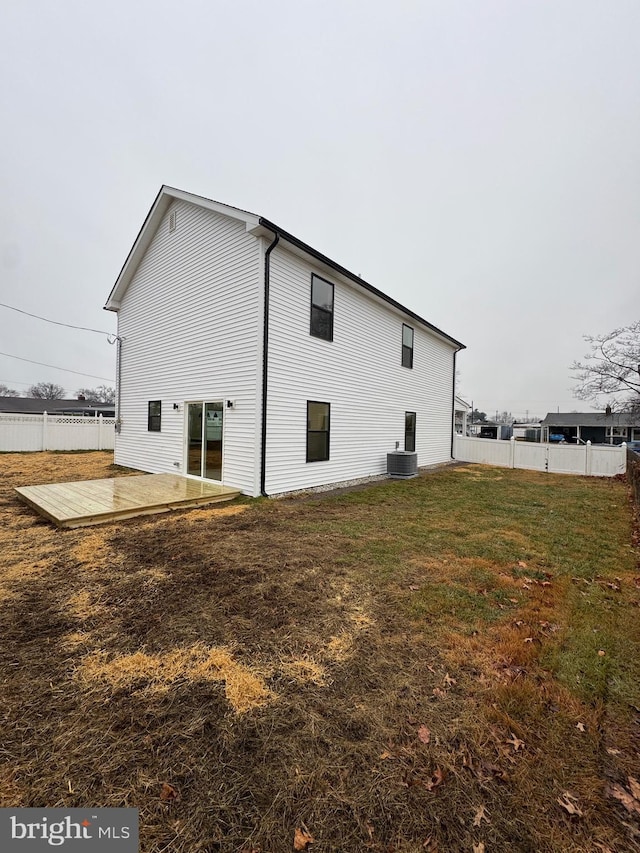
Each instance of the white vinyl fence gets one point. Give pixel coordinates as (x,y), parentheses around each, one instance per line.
(592,460)
(55,432)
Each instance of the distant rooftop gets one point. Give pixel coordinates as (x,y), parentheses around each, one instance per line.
(569,419)
(36,406)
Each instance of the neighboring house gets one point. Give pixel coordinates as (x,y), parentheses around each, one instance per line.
(36,406)
(248,357)
(596,427)
(461,413)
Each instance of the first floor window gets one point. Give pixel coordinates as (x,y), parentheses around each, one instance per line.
(410,431)
(154,415)
(407,346)
(318,416)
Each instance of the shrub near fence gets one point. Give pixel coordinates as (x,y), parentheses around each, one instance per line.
(20,433)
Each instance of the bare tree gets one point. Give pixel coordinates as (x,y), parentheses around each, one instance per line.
(46,391)
(101,394)
(5,391)
(611,370)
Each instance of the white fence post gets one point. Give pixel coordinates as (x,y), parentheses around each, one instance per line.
(512,452)
(587,457)
(100,431)
(44,430)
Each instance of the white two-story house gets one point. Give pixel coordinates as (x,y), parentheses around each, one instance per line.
(247,357)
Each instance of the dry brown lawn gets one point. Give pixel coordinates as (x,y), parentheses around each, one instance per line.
(445,664)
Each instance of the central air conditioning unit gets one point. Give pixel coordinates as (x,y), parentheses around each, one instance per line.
(402,464)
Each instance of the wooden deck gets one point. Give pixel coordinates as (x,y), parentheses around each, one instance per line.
(97,501)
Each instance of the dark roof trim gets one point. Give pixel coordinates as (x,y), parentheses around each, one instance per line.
(135,242)
(356,279)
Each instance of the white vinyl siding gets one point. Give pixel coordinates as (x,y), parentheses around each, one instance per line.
(359,373)
(191,322)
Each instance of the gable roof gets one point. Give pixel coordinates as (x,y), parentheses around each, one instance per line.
(256,225)
(569,419)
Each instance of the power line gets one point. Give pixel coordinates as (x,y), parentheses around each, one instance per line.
(64,369)
(56,322)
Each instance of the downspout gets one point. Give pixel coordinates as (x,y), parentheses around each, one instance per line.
(265,365)
(453,403)
(116,339)
(119,383)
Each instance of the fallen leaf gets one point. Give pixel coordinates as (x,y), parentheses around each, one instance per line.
(168,793)
(493,770)
(424,734)
(580,727)
(566,803)
(629,802)
(436,780)
(439,694)
(634,785)
(513,600)
(414,588)
(522,564)
(449,681)
(528,639)
(481,814)
(601,653)
(385,755)
(479,847)
(613,751)
(301,839)
(545,583)
(515,742)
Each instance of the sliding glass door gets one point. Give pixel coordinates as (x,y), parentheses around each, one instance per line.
(204,437)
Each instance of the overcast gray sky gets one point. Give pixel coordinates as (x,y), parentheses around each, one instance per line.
(477,160)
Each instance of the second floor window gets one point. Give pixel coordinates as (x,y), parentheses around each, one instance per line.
(321,308)
(407,346)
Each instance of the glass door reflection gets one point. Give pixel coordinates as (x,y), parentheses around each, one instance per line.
(204,451)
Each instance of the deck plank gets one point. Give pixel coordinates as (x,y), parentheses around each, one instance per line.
(97,501)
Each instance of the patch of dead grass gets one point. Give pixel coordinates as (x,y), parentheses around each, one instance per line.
(244,688)
(83,605)
(198,515)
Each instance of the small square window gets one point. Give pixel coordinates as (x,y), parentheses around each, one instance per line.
(321,308)
(154,415)
(407,346)
(318,418)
